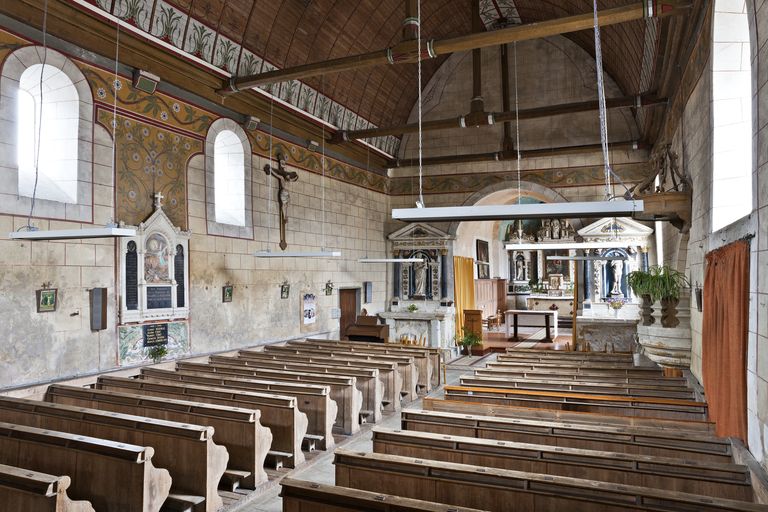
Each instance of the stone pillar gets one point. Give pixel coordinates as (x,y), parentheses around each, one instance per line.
(644,256)
(443,274)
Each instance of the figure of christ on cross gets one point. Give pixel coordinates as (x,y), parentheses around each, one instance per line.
(283,197)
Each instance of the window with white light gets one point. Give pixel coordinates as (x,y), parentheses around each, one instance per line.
(732,112)
(229,178)
(47,133)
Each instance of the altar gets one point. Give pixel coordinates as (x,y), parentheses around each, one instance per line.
(428,325)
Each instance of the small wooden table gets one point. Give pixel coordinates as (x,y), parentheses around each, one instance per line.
(528,318)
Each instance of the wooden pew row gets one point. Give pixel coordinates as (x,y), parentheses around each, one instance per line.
(638,371)
(23,490)
(367,380)
(584,387)
(565,354)
(405,364)
(589,418)
(503,358)
(196,464)
(302,496)
(278,412)
(109,474)
(349,399)
(511,491)
(639,441)
(731,481)
(238,430)
(424,362)
(391,380)
(434,354)
(570,376)
(628,406)
(312,400)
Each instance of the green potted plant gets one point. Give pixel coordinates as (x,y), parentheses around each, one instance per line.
(157,353)
(640,282)
(659,284)
(413,308)
(468,340)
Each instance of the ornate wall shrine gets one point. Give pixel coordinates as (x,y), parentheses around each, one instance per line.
(422,292)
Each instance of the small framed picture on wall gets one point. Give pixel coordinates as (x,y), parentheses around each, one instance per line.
(226,293)
(47,300)
(482,257)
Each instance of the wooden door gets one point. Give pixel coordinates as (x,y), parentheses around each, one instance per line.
(348,306)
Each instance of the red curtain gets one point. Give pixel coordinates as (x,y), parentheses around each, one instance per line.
(724,338)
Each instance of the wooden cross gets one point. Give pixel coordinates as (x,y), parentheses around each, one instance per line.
(282,176)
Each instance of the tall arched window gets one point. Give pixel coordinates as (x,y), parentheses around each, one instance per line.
(229,178)
(47,130)
(732,112)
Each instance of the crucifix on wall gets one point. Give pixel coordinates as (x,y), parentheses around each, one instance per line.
(283,197)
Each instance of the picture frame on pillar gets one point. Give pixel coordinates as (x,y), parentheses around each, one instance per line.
(482,259)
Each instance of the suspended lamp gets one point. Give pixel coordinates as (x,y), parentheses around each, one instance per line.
(564,246)
(587,258)
(72,234)
(297,254)
(391,260)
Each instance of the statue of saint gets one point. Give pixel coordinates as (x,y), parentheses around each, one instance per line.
(555,229)
(420,279)
(618,268)
(520,270)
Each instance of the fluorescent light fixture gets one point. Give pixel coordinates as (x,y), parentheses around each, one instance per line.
(391,260)
(72,234)
(528,246)
(576,210)
(587,258)
(297,254)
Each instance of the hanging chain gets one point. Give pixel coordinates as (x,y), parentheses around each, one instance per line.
(601,103)
(517,133)
(421,137)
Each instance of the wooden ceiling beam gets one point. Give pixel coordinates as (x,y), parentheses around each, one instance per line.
(646,100)
(407,51)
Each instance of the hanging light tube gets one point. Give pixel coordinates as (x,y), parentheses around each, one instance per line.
(298,254)
(532,246)
(73,234)
(391,260)
(588,209)
(586,258)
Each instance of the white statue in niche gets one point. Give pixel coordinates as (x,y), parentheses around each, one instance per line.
(555,229)
(420,279)
(156,259)
(520,270)
(618,269)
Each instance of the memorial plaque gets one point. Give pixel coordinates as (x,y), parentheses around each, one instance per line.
(158,297)
(155,334)
(131,280)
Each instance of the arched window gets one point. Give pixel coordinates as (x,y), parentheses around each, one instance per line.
(48,115)
(229,178)
(732,112)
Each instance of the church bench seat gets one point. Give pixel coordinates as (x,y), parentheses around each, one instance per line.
(731,481)
(23,490)
(424,362)
(505,358)
(344,392)
(629,406)
(391,380)
(589,418)
(570,354)
(636,440)
(278,412)
(570,375)
(582,386)
(575,367)
(509,490)
(434,355)
(237,429)
(405,365)
(95,466)
(366,379)
(303,496)
(311,399)
(196,464)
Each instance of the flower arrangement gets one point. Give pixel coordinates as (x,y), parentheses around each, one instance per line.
(616,302)
(413,307)
(157,353)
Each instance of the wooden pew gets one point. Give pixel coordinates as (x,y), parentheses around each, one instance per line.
(391,381)
(582,386)
(303,496)
(109,474)
(434,354)
(566,354)
(23,490)
(313,400)
(238,430)
(344,392)
(196,464)
(366,379)
(278,412)
(424,360)
(589,418)
(731,481)
(639,441)
(505,358)
(571,376)
(574,367)
(405,364)
(511,491)
(628,406)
